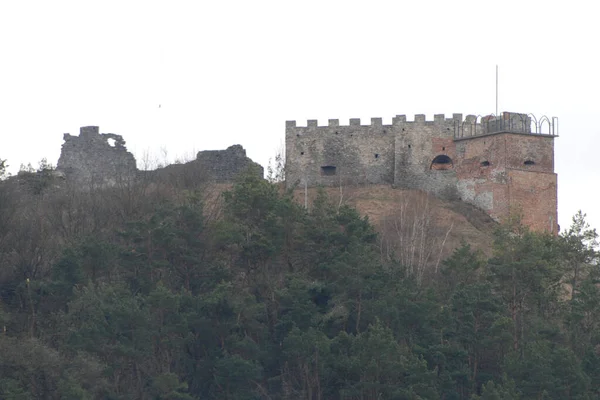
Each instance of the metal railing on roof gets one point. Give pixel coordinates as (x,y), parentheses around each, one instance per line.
(506,122)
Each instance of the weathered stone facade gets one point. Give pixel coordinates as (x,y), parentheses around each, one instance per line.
(499,164)
(101,159)
(95,158)
(226,165)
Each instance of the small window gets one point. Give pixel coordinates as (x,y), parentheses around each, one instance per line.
(409,146)
(441,162)
(443,149)
(301,153)
(529,162)
(376,155)
(328,170)
(485,163)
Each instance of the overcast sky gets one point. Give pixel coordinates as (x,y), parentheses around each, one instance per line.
(184,76)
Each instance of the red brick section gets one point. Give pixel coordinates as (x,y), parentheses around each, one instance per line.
(535,194)
(494,168)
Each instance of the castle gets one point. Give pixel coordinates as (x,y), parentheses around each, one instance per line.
(501,164)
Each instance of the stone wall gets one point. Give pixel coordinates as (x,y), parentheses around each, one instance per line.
(226,165)
(93,158)
(417,145)
(336,154)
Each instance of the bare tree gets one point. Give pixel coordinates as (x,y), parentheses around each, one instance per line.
(412,239)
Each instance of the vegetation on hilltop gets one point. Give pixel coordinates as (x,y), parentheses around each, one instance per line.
(151,291)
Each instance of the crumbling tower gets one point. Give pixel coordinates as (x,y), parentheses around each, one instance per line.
(96,159)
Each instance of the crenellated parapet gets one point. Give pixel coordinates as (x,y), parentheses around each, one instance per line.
(438,119)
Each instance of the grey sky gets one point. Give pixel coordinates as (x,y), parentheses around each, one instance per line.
(226,72)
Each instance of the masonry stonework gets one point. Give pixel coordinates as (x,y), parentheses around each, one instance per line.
(95,158)
(501,164)
(101,159)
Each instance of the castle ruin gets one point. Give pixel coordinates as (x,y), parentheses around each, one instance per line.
(501,164)
(101,159)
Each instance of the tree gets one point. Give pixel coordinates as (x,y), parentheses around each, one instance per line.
(3,167)
(579,250)
(527,273)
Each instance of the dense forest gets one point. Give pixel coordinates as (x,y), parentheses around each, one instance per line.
(170,290)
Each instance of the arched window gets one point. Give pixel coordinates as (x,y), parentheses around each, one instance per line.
(529,162)
(441,162)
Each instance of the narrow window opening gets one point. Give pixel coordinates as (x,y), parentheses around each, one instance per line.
(409,146)
(443,148)
(376,155)
(328,170)
(441,162)
(529,162)
(297,135)
(485,163)
(301,153)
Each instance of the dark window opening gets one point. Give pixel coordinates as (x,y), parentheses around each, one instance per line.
(328,170)
(376,155)
(301,153)
(297,135)
(443,148)
(409,146)
(529,162)
(441,162)
(485,163)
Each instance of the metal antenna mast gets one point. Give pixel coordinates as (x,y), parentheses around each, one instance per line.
(496,90)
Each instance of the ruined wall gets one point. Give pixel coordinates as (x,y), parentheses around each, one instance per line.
(497,164)
(93,158)
(226,165)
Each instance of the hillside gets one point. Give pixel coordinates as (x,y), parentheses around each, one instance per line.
(401,215)
(165,288)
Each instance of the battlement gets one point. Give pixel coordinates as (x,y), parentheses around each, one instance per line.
(313,123)
(377,122)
